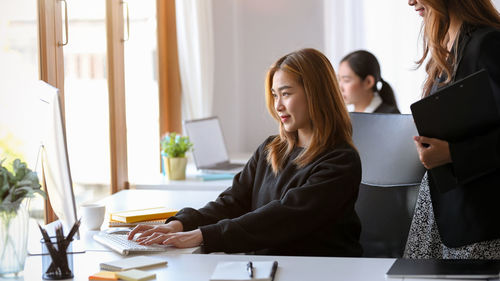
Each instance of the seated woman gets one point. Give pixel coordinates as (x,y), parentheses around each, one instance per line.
(362,86)
(296,194)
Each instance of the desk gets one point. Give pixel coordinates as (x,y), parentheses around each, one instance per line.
(192,182)
(196,267)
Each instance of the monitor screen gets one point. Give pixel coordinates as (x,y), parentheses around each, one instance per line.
(54,155)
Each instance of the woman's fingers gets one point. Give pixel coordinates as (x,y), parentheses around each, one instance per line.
(138,229)
(155,238)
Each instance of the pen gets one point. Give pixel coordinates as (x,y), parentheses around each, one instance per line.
(273,270)
(250,269)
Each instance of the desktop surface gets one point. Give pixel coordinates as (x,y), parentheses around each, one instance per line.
(196,267)
(191,267)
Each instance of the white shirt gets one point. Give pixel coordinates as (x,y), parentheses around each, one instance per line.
(374,104)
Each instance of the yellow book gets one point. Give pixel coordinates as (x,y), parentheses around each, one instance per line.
(143,214)
(113,223)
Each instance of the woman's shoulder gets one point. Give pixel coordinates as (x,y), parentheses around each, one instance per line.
(386,108)
(341,153)
(484,36)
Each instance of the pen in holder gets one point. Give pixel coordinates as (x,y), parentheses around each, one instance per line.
(57,255)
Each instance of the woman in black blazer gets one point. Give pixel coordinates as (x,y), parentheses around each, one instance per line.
(362,85)
(457,213)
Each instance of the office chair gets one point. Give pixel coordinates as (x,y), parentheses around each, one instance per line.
(391,175)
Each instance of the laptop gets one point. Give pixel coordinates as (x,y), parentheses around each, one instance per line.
(466,107)
(444,269)
(209,149)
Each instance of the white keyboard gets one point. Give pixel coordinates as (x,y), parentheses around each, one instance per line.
(119,243)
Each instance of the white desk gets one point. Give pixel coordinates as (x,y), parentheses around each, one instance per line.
(196,267)
(192,181)
(200,267)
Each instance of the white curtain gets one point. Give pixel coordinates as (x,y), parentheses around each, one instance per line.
(195,43)
(390,30)
(344,28)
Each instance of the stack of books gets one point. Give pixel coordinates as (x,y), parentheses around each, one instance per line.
(131,218)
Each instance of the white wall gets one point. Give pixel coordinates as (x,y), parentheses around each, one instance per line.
(249,36)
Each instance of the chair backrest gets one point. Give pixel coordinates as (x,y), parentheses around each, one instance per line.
(391,175)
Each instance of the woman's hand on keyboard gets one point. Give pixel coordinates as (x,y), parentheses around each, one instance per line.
(147,230)
(186,239)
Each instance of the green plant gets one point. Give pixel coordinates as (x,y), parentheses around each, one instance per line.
(16,185)
(174,145)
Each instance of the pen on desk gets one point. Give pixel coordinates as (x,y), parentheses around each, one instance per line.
(273,270)
(250,269)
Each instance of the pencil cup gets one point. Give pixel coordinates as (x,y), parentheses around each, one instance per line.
(59,264)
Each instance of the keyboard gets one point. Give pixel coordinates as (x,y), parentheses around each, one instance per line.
(120,244)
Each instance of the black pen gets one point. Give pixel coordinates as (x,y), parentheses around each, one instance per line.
(250,269)
(273,270)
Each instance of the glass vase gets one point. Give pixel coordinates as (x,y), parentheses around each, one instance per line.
(13,238)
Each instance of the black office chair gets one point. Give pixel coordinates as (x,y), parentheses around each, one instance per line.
(391,175)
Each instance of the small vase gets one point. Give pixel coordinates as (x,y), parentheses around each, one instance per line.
(176,167)
(13,239)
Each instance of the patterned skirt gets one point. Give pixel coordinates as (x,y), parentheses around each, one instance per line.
(424,241)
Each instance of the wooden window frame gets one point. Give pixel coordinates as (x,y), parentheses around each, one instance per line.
(52,71)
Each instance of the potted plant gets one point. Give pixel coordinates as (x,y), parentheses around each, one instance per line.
(15,186)
(173,150)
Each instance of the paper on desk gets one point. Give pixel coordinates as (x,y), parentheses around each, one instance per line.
(228,271)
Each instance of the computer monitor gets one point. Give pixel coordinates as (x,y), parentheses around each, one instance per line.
(54,155)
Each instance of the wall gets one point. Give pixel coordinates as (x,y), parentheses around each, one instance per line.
(249,36)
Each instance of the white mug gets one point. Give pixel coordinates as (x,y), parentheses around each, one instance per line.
(92,215)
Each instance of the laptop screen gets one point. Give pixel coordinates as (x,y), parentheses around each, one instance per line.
(208,142)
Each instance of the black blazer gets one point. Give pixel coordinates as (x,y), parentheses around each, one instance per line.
(386,108)
(466,193)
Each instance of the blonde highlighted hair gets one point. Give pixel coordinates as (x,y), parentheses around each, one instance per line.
(330,120)
(435,32)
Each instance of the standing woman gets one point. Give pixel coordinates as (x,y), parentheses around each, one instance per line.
(296,194)
(457,214)
(362,85)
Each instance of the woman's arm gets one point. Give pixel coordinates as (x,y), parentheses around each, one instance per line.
(480,155)
(231,203)
(327,195)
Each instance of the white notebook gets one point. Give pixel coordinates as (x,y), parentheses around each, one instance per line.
(132,262)
(233,271)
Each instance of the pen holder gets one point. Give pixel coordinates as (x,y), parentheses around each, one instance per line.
(60,266)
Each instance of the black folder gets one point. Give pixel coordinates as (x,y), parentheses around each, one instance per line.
(444,269)
(464,108)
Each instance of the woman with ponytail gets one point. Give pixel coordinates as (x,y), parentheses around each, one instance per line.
(362,86)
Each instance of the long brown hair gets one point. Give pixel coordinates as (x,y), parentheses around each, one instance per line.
(435,28)
(329,117)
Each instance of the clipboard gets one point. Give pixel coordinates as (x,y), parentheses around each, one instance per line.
(464,108)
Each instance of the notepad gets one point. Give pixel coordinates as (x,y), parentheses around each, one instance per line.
(104,275)
(235,271)
(131,263)
(143,214)
(135,275)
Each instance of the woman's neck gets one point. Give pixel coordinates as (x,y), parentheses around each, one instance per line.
(361,105)
(453,30)
(304,137)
